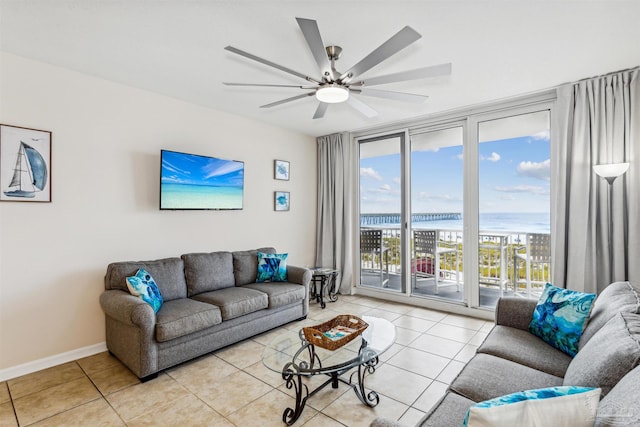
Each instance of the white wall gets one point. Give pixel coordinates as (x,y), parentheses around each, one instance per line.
(105,179)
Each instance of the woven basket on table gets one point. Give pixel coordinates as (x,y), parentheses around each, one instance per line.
(315,334)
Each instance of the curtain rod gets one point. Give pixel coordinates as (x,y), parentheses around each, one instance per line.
(637,67)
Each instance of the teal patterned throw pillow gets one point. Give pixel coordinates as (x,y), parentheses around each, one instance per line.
(272,267)
(569,406)
(142,285)
(560,317)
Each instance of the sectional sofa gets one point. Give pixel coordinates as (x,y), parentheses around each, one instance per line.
(511,359)
(210,300)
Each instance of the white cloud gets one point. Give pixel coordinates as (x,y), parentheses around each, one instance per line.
(170,167)
(543,135)
(538,170)
(220,169)
(370,173)
(385,188)
(459,156)
(396,180)
(494,157)
(533,189)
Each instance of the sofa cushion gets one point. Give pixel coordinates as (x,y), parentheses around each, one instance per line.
(143,286)
(567,406)
(609,355)
(487,376)
(280,294)
(272,267)
(183,316)
(168,274)
(449,412)
(525,348)
(245,265)
(560,317)
(621,407)
(236,301)
(615,298)
(206,272)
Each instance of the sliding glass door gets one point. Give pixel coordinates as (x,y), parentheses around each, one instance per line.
(381,212)
(514,249)
(436,213)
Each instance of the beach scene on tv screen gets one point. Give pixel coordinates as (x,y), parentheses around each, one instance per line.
(190,181)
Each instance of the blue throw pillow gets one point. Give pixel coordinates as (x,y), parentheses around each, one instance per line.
(142,285)
(569,406)
(272,267)
(560,317)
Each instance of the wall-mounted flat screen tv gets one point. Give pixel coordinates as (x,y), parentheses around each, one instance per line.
(190,181)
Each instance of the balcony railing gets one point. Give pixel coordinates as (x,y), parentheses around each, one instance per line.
(510,262)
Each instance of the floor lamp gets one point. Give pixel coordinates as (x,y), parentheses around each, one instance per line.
(610,172)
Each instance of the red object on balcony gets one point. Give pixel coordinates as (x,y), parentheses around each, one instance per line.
(423,265)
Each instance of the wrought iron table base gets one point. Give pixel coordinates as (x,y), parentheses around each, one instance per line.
(293,374)
(326,281)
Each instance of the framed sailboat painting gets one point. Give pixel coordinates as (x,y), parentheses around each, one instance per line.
(25,164)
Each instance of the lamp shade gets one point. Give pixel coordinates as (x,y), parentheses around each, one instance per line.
(611,170)
(332,94)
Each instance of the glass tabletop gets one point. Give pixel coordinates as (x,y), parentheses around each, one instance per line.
(291,347)
(322,271)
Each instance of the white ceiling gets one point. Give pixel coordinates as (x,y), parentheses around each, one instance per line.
(498,49)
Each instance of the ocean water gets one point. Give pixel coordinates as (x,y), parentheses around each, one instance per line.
(182,196)
(503,222)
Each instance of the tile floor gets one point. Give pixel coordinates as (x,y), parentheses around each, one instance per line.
(231,387)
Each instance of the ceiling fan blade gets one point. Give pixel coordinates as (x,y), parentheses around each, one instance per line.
(397,96)
(282,101)
(269,63)
(266,85)
(418,73)
(362,107)
(322,108)
(311,33)
(395,44)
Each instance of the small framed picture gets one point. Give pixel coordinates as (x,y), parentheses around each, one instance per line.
(281,170)
(281,200)
(25,164)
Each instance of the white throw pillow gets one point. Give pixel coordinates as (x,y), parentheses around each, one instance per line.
(568,406)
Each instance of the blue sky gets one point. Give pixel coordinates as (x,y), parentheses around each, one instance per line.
(513,177)
(179,168)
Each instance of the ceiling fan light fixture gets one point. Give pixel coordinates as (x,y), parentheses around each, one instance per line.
(332,94)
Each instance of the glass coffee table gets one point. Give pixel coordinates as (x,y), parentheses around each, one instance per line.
(294,358)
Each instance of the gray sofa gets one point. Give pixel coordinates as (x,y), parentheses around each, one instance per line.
(511,359)
(211,300)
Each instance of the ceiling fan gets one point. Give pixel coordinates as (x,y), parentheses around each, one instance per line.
(335,87)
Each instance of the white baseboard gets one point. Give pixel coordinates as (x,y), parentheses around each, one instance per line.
(47,362)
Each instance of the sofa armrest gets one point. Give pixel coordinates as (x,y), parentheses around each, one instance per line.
(299,275)
(515,312)
(127,309)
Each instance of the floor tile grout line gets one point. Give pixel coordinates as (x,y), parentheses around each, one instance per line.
(102,395)
(61,412)
(193,393)
(75,362)
(84,375)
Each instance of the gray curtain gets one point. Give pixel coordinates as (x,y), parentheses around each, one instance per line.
(598,122)
(335,187)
